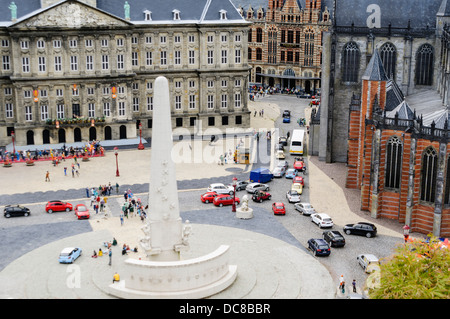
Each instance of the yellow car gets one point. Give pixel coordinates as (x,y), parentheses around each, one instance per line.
(297,187)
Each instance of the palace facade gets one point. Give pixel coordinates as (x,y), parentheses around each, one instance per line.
(285,42)
(76,71)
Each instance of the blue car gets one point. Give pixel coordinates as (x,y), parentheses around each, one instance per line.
(291,173)
(286,120)
(69,255)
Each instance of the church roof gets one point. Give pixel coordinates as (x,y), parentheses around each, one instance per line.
(444,10)
(403,110)
(398,13)
(375,70)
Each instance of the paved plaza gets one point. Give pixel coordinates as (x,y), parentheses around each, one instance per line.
(269,250)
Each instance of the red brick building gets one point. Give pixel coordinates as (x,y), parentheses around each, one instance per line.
(285,42)
(398,159)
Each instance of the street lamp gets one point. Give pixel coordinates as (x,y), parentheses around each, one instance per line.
(406,230)
(140,146)
(117,163)
(14,145)
(233,208)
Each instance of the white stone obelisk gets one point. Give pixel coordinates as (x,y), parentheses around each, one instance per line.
(165,235)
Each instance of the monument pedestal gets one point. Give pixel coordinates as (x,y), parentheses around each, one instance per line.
(244,214)
(194,278)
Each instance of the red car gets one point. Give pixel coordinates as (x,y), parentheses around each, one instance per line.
(298,165)
(299,180)
(278,209)
(208,197)
(57,206)
(221,200)
(81,211)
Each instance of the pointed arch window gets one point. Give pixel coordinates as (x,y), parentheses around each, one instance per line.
(428,175)
(424,65)
(447,183)
(350,62)
(388,54)
(394,153)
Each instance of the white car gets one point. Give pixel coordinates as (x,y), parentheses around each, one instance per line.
(293,196)
(279,171)
(305,208)
(284,164)
(368,262)
(322,220)
(253,187)
(220,188)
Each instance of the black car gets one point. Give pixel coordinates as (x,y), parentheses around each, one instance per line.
(319,247)
(334,238)
(362,229)
(16,210)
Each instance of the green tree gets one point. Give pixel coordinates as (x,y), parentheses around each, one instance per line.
(418,270)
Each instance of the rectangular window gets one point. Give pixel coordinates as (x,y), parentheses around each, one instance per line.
(191,57)
(60,111)
(210,103)
(28,113)
(178,102)
(237,100)
(91,110)
(120,63)
(26,65)
(210,57)
(224,101)
(106,109)
(9,110)
(163,58)
(58,64)
(6,64)
(237,57)
(135,104)
(74,63)
(192,104)
(41,64)
(149,103)
(121,108)
(224,56)
(177,57)
(149,58)
(44,112)
(134,58)
(105,62)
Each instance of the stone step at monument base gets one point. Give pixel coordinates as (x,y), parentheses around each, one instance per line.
(266,267)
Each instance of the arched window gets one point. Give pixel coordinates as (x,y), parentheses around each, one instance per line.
(428,175)
(424,65)
(259,35)
(447,183)
(394,151)
(350,62)
(388,54)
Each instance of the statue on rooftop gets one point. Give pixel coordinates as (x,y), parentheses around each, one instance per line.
(13,9)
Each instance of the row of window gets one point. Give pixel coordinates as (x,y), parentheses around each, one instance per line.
(428,173)
(119,62)
(121,107)
(351,56)
(120,42)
